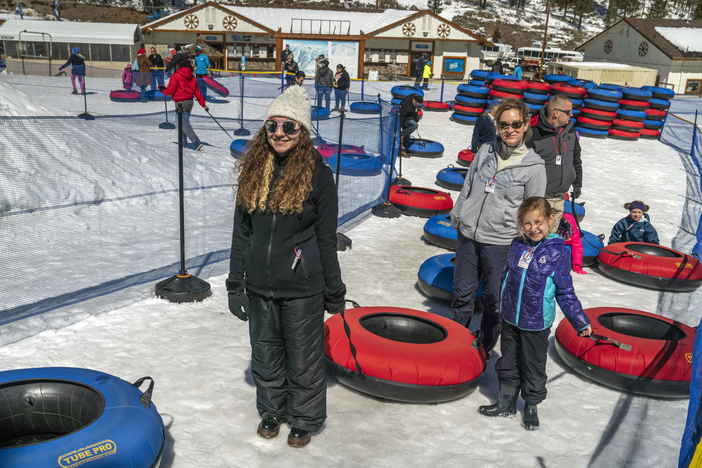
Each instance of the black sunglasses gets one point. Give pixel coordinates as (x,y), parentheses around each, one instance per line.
(514,125)
(289,127)
(568,112)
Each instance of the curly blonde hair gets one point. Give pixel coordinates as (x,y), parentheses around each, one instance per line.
(293,187)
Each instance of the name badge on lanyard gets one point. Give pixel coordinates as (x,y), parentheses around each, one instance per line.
(525,259)
(490,185)
(559,159)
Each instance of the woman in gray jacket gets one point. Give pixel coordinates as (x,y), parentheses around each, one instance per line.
(503,174)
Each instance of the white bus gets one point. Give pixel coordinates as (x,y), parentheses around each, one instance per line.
(550,54)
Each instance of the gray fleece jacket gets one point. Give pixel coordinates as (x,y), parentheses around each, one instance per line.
(491,217)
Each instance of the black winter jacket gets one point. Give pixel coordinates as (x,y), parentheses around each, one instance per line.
(344,81)
(156,60)
(407,110)
(548,142)
(179,57)
(324,77)
(264,244)
(483,132)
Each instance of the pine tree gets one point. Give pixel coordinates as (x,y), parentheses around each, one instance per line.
(435,6)
(657,9)
(496,35)
(582,7)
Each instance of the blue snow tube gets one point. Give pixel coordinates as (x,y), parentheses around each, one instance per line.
(479,74)
(471,102)
(609,86)
(479,83)
(659,104)
(425,148)
(534,108)
(473,91)
(653,124)
(395,101)
(157,96)
(635,116)
(579,210)
(498,76)
(451,177)
(587,84)
(601,105)
(320,113)
(660,93)
(238,147)
(636,94)
(590,133)
(604,94)
(591,246)
(463,119)
(533,98)
(450,103)
(436,277)
(557,78)
(353,164)
(400,92)
(439,231)
(366,107)
(577,103)
(66,417)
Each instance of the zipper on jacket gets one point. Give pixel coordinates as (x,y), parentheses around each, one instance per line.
(268,259)
(521,284)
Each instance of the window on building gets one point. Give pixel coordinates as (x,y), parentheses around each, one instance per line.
(60,51)
(381,56)
(369,56)
(100,52)
(254,54)
(11,49)
(693,87)
(120,53)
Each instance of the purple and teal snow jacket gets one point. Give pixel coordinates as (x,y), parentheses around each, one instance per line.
(527,294)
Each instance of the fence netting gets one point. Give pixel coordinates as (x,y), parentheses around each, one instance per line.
(90,207)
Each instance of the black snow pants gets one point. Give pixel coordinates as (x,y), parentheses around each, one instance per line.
(523,361)
(477,261)
(287,359)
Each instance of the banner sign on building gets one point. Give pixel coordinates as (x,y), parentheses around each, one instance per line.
(306,54)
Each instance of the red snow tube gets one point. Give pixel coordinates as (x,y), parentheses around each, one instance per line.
(436,106)
(465,157)
(503,95)
(598,114)
(593,123)
(634,105)
(420,201)
(509,86)
(655,114)
(215,87)
(649,134)
(468,111)
(537,87)
(623,135)
(572,91)
(650,266)
(327,151)
(659,362)
(124,95)
(627,125)
(404,354)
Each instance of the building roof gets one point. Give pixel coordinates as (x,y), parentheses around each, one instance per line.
(72,31)
(677,39)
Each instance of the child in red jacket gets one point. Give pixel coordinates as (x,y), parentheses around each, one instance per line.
(183,87)
(568,230)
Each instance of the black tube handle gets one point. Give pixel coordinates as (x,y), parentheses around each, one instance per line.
(145,398)
(478,334)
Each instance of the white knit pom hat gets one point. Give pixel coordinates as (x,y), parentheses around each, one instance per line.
(294,104)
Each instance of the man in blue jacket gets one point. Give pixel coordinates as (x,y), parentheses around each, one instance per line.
(202,69)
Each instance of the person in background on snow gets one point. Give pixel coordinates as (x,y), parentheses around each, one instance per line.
(183,87)
(179,56)
(342,81)
(409,120)
(536,275)
(502,175)
(556,141)
(283,270)
(291,68)
(484,130)
(519,69)
(568,230)
(127,77)
(298,81)
(323,83)
(636,227)
(285,54)
(202,69)
(427,74)
(156,75)
(77,63)
(143,76)
(419,69)
(497,66)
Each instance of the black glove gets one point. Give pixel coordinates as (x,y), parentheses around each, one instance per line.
(335,307)
(334,301)
(576,192)
(239,305)
(161,88)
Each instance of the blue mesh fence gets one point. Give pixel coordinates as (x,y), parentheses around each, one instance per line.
(88,208)
(693,426)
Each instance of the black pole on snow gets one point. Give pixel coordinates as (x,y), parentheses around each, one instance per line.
(241,131)
(399,180)
(166,125)
(342,242)
(387,209)
(182,287)
(85,115)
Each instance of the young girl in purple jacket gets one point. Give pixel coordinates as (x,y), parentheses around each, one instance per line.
(536,275)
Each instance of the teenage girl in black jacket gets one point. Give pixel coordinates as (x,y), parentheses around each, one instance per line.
(284,270)
(342,82)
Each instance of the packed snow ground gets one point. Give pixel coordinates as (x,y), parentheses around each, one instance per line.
(199,354)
